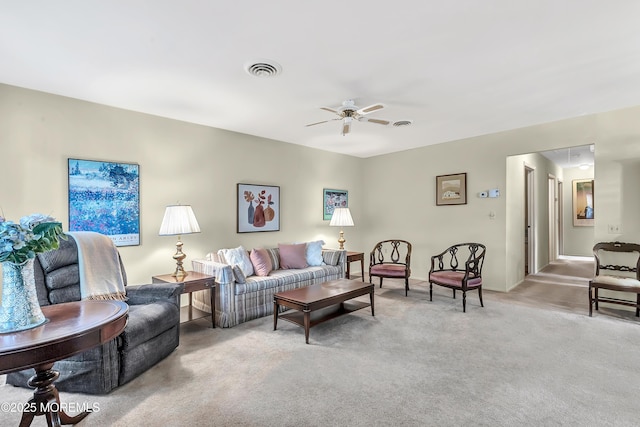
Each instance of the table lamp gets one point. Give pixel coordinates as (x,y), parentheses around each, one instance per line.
(341,218)
(179,220)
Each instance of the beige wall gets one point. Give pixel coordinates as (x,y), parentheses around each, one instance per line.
(390,196)
(179,162)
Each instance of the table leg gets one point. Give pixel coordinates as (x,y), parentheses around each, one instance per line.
(371,295)
(213,306)
(275,314)
(307,324)
(362,267)
(46,400)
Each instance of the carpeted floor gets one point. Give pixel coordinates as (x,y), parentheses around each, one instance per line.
(416,363)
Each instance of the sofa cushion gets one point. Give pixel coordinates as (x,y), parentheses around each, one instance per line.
(293,256)
(314,253)
(261,262)
(238,256)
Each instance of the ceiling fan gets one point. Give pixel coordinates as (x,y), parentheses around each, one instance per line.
(348,112)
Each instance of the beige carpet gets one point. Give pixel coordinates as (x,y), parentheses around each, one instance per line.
(416,363)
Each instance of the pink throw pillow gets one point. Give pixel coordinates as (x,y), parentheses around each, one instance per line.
(261,262)
(293,256)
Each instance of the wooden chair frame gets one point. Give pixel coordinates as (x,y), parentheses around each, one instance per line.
(378,257)
(600,282)
(464,278)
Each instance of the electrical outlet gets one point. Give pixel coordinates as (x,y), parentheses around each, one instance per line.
(614,228)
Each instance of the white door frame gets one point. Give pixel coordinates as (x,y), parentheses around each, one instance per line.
(553,218)
(530,226)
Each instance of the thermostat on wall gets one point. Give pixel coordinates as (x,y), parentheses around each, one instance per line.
(494,193)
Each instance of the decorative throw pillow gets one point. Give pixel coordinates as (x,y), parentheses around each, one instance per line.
(274,254)
(293,256)
(238,274)
(314,252)
(261,262)
(240,257)
(331,257)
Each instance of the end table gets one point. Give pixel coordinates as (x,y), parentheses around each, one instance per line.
(352,257)
(193,281)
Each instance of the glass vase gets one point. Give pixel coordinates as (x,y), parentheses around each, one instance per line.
(19,309)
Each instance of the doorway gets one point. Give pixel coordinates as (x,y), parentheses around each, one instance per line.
(529,221)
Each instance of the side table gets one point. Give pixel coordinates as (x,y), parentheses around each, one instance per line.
(193,281)
(352,257)
(71,328)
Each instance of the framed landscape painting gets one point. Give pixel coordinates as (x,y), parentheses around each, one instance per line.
(105,197)
(258,208)
(332,199)
(451,189)
(583,203)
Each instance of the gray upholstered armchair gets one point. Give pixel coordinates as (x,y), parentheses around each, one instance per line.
(151,334)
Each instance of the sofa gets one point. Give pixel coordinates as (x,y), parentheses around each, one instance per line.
(241,297)
(151,334)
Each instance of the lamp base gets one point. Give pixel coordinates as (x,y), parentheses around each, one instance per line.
(341,240)
(179,256)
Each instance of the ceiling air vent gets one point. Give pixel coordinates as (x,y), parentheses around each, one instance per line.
(264,69)
(400,123)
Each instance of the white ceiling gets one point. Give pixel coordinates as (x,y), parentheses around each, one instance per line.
(456,69)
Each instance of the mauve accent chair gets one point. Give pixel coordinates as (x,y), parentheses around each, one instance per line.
(391,259)
(151,334)
(459,267)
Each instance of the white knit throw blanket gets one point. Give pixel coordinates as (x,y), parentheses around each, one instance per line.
(101,275)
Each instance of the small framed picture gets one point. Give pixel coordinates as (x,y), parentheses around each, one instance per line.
(332,199)
(258,208)
(583,203)
(451,189)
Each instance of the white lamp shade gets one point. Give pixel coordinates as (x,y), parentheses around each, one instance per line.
(341,218)
(179,219)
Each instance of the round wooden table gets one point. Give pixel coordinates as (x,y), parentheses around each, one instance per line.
(71,328)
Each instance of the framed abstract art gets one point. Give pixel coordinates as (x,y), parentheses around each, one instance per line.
(105,197)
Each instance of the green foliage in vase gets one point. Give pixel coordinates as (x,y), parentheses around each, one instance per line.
(33,234)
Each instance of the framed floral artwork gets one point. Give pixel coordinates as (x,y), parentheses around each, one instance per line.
(332,199)
(105,197)
(451,189)
(258,208)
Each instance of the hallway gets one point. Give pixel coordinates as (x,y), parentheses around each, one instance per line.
(562,285)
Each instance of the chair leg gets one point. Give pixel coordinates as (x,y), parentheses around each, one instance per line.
(381,281)
(596,297)
(638,306)
(464,301)
(590,301)
(406,288)
(430,291)
(480,295)
(454,294)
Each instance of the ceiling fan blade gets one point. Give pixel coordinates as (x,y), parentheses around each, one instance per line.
(313,124)
(378,121)
(346,127)
(331,110)
(370,109)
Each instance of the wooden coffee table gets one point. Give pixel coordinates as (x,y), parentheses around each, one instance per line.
(312,298)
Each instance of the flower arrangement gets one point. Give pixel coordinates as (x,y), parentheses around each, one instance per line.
(34,234)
